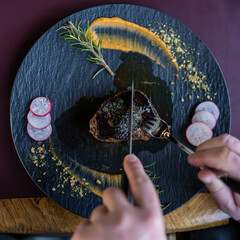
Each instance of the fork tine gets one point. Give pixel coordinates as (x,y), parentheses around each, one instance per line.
(148,125)
(156,120)
(147,130)
(152,122)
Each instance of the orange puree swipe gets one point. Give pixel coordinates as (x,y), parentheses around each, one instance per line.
(117,42)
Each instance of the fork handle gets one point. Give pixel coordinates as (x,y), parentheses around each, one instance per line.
(187,150)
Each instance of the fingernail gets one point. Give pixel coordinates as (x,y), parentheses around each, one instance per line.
(131,158)
(206,180)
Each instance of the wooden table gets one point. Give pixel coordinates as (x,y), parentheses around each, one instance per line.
(44,216)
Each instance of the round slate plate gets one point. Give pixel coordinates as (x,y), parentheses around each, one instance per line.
(72,167)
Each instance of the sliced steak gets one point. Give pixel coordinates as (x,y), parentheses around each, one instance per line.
(111,122)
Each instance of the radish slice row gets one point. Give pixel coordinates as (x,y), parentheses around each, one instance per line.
(39,119)
(203,121)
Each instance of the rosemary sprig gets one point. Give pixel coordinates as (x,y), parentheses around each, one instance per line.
(80,40)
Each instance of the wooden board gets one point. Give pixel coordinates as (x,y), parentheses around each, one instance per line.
(44,216)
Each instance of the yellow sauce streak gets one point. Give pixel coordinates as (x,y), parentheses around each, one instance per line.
(109,179)
(106,178)
(127,44)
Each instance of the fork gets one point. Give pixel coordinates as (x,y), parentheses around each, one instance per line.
(159,129)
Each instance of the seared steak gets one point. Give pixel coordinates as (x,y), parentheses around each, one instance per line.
(111,122)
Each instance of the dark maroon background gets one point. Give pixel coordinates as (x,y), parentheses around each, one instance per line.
(22,22)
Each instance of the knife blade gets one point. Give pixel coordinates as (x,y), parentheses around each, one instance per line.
(131,120)
(125,183)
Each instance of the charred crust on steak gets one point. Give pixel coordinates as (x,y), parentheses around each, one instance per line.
(111,122)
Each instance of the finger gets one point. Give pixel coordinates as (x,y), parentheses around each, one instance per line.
(98,213)
(84,223)
(221,192)
(237,200)
(224,140)
(114,199)
(143,191)
(81,230)
(221,159)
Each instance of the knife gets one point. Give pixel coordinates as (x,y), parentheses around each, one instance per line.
(125,183)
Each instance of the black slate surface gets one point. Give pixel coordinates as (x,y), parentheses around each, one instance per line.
(55,70)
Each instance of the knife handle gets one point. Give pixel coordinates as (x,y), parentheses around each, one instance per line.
(232,184)
(126,188)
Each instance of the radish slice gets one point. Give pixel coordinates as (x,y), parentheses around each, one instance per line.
(206,117)
(40,106)
(198,133)
(39,134)
(210,107)
(38,122)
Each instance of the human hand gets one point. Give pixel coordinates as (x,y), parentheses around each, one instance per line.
(116,219)
(221,153)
